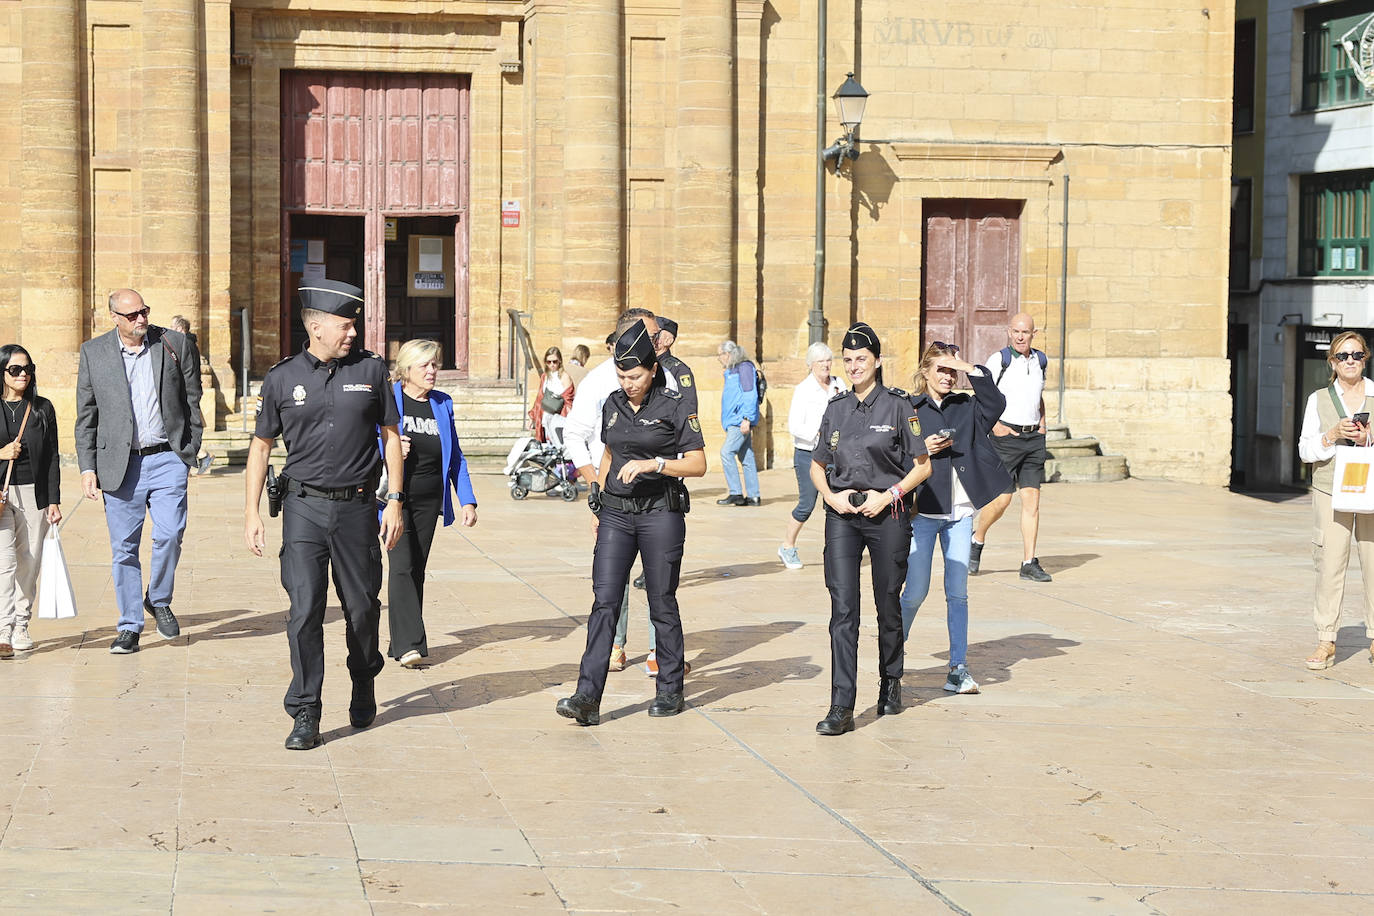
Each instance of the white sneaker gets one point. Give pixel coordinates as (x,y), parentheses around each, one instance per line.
(789,557)
(411,659)
(21,639)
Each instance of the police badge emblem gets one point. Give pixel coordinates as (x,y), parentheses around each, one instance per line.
(915,425)
(298,394)
(835,438)
(611,421)
(693,422)
(685,380)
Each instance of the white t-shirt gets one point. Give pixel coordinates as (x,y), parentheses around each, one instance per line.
(582,431)
(808,407)
(1023,385)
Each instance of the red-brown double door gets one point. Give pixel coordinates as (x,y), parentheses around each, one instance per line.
(379,146)
(971,276)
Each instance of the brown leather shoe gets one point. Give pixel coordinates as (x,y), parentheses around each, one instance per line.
(1324,656)
(6,650)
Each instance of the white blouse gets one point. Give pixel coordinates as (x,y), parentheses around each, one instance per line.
(808,407)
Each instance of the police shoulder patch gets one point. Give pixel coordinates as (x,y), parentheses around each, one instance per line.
(834,438)
(915,425)
(685,380)
(694,423)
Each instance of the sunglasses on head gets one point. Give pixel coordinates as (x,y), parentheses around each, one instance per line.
(953,348)
(1349,354)
(135,315)
(16,371)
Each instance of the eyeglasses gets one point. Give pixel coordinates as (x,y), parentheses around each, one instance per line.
(16,371)
(134,316)
(553,362)
(1356,355)
(940,344)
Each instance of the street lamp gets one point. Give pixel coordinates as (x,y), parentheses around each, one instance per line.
(850,101)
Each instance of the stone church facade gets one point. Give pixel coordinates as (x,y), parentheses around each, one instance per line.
(475,162)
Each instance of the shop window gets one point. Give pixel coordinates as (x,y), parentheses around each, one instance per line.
(1328,79)
(1334,237)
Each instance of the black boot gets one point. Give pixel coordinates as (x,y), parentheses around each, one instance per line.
(363,709)
(731,499)
(836,722)
(667,703)
(581,708)
(889,696)
(306,734)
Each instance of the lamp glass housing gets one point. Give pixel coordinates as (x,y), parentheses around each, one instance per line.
(850,101)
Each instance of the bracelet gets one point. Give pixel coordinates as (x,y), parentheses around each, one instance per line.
(896,491)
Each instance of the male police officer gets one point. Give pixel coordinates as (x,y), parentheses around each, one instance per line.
(327,403)
(673,367)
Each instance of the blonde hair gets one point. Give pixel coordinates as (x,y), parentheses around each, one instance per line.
(933,352)
(1336,348)
(412,354)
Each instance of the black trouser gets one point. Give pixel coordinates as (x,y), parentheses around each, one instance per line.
(408,559)
(314,532)
(888,541)
(656,537)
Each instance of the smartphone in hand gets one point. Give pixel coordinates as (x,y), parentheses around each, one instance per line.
(1361,418)
(948,433)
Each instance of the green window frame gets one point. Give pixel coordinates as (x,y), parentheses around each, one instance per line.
(1328,79)
(1334,238)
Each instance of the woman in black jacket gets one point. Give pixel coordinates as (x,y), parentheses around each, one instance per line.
(965,475)
(33,499)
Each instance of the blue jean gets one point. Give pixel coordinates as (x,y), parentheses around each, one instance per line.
(806,490)
(154,485)
(955,538)
(622,624)
(739,446)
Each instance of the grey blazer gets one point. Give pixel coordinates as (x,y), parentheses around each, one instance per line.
(105,411)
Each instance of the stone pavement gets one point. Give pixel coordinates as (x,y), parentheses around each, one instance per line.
(1147,741)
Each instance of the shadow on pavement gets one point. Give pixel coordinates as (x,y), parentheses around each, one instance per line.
(732,571)
(236,623)
(1352,641)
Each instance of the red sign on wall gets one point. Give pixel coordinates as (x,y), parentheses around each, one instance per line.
(510,213)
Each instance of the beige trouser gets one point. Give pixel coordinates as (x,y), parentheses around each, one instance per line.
(1331,554)
(23,525)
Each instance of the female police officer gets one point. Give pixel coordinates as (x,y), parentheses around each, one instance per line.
(652,438)
(869,456)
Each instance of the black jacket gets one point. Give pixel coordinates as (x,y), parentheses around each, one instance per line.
(980,470)
(40,440)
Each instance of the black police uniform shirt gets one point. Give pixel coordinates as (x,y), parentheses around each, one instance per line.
(683,379)
(663,427)
(426,453)
(869,444)
(327,414)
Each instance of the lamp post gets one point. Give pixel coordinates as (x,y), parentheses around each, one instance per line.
(850,101)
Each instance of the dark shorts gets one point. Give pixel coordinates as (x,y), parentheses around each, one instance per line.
(1024,457)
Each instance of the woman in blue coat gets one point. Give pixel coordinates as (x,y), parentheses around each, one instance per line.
(965,475)
(434,470)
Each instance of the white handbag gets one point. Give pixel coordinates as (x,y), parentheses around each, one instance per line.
(55,598)
(1352,487)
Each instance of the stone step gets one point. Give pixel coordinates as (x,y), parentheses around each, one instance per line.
(1053,433)
(1086,469)
(1073,448)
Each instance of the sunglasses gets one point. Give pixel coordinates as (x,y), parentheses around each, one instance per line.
(1349,354)
(953,348)
(134,316)
(16,371)
(553,362)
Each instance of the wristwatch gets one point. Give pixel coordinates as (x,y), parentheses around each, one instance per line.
(660,461)
(399,497)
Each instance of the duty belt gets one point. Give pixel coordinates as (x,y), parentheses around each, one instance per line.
(633,505)
(360,491)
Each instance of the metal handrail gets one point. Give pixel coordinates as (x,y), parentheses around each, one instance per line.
(520,335)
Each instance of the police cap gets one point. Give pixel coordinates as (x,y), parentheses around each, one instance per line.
(635,347)
(668,324)
(334,297)
(862,337)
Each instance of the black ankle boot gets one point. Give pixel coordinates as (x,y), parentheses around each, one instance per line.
(890,696)
(836,722)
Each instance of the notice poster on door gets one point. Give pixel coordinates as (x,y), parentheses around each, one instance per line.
(430,266)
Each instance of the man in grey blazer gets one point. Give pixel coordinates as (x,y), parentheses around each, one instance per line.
(138,428)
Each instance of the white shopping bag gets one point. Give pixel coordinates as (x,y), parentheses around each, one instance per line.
(55,598)
(1352,488)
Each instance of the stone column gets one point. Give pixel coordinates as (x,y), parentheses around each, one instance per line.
(172,199)
(593,173)
(704,194)
(51,299)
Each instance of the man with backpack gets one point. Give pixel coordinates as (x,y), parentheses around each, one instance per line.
(740,399)
(1019,439)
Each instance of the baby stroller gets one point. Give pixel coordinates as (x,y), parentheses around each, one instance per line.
(540,467)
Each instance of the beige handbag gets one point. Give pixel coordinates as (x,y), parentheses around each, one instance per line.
(5,493)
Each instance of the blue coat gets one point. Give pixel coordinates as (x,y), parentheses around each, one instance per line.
(739,398)
(980,469)
(451,454)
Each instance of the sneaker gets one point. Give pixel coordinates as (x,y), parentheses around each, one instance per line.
(651,665)
(975,554)
(6,650)
(617,658)
(960,681)
(167,626)
(204,465)
(1034,572)
(789,557)
(125,643)
(411,659)
(21,639)
(639,581)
